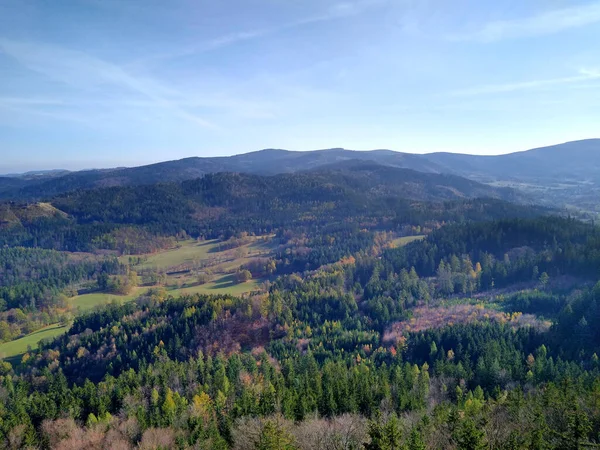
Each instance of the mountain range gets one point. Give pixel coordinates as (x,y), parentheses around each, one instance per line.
(567,174)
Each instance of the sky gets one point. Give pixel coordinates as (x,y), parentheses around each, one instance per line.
(103,83)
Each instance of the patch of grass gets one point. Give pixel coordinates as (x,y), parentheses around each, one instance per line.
(185,252)
(402,241)
(19,346)
(87,302)
(223,285)
(191,251)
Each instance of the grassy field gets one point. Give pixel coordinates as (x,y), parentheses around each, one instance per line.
(19,346)
(191,251)
(187,251)
(223,285)
(87,302)
(401,242)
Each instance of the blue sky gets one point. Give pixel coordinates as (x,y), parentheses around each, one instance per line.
(98,83)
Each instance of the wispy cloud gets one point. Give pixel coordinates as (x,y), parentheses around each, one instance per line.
(88,72)
(548,22)
(585,75)
(30,101)
(247,109)
(337,11)
(32,110)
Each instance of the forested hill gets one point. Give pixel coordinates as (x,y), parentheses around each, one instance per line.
(413,184)
(575,161)
(350,306)
(369,350)
(224,204)
(264,162)
(578,160)
(354,185)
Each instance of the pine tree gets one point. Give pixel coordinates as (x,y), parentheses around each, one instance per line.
(469,436)
(274,437)
(415,441)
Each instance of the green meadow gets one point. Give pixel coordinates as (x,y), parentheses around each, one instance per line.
(185,252)
(19,346)
(402,241)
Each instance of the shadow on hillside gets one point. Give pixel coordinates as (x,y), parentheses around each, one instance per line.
(225,282)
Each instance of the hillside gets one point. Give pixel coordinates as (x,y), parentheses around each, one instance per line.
(572,161)
(322,353)
(563,175)
(218,311)
(264,162)
(225,203)
(354,188)
(412,184)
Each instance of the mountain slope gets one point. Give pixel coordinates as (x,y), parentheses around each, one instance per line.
(264,162)
(407,183)
(221,204)
(565,174)
(578,160)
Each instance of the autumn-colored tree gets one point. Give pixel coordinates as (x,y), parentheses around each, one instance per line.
(243,276)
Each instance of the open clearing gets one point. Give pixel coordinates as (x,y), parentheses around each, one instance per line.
(19,346)
(187,256)
(192,253)
(223,285)
(186,252)
(401,242)
(87,302)
(192,257)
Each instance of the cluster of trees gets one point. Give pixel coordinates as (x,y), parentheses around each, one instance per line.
(37,280)
(15,322)
(508,251)
(234,242)
(35,285)
(118,284)
(151,382)
(260,267)
(243,275)
(132,241)
(33,278)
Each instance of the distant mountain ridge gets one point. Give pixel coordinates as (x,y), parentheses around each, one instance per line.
(571,160)
(534,171)
(37,173)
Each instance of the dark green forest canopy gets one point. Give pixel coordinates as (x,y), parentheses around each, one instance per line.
(221,205)
(550,243)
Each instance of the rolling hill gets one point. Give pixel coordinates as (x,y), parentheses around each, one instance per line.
(565,174)
(578,160)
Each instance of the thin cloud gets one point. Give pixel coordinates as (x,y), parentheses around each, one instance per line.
(30,101)
(54,115)
(337,11)
(89,73)
(585,75)
(549,22)
(237,106)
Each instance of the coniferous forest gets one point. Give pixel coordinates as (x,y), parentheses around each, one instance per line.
(337,309)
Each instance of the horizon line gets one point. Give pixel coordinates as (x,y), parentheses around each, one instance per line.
(14,173)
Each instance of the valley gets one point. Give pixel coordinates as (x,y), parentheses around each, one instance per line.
(351,297)
(191,267)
